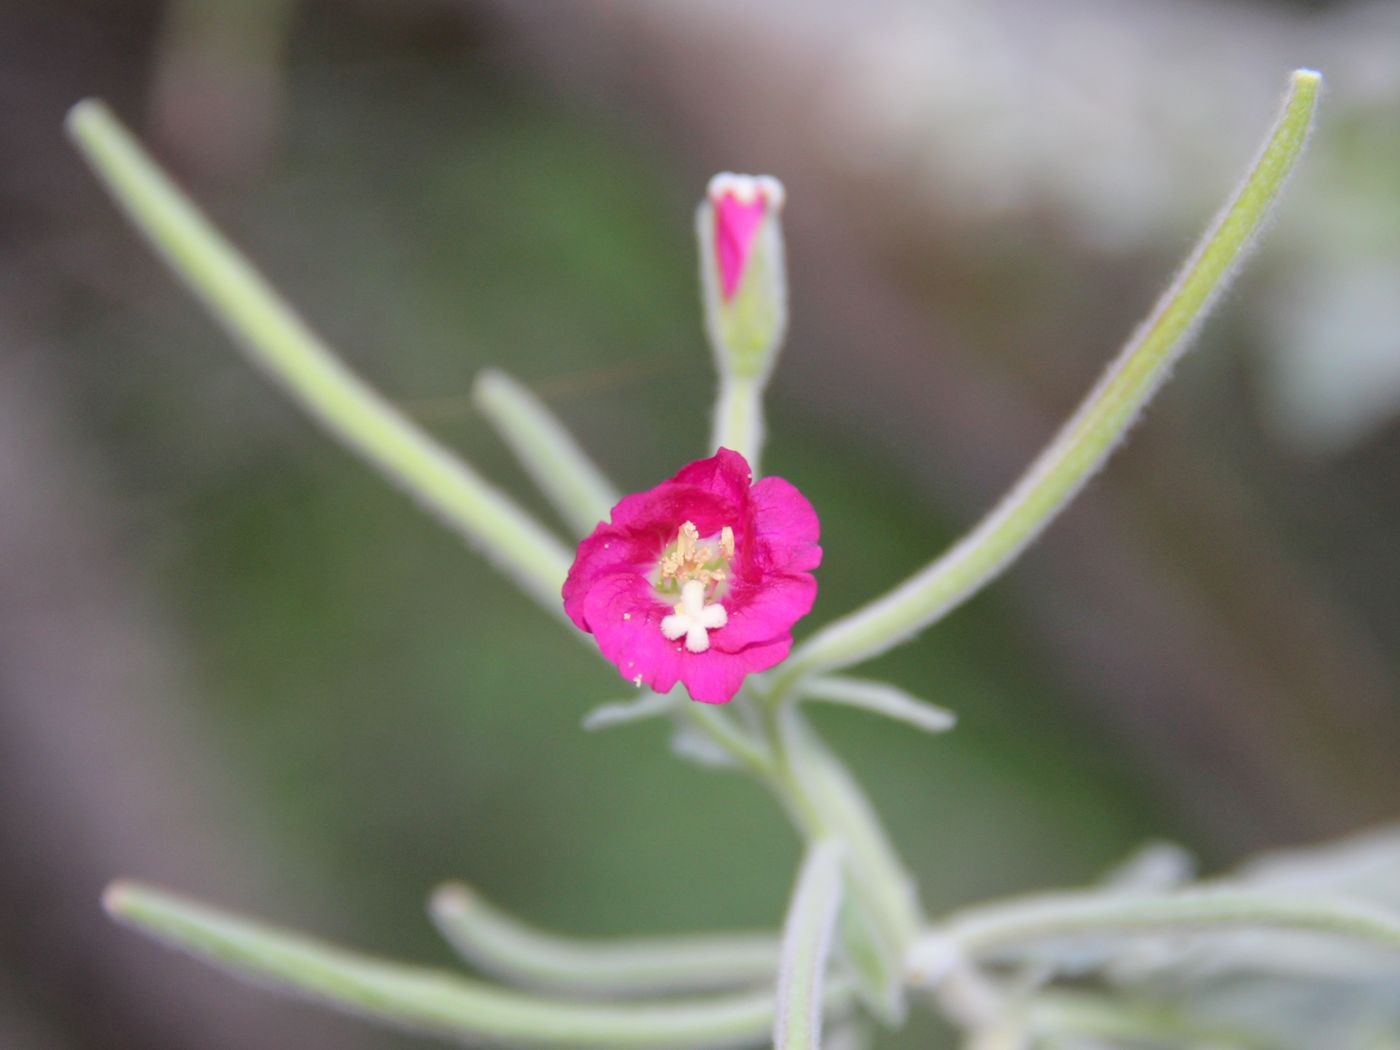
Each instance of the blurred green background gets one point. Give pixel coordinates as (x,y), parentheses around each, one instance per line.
(233,662)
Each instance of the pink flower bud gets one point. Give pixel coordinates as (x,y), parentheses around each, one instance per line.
(740,203)
(741,263)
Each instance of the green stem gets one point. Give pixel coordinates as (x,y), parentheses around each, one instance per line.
(503,946)
(739,417)
(720,728)
(882,912)
(465,1011)
(278,342)
(1090,435)
(806,951)
(824,802)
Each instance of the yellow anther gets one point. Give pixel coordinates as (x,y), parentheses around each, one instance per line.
(691,557)
(687,539)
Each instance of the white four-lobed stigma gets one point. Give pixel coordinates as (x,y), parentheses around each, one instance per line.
(693,618)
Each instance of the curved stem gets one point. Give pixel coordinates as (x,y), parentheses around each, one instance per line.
(1091,434)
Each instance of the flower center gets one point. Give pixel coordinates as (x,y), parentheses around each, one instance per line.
(691,558)
(697,568)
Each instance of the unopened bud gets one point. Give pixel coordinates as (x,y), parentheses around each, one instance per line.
(742,275)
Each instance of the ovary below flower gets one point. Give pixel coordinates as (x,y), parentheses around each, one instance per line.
(698,580)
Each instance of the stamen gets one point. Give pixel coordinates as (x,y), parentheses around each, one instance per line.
(687,538)
(691,556)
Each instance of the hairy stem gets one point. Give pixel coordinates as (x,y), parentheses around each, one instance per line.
(806,951)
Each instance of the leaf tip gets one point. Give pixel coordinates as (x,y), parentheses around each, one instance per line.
(488,387)
(117,898)
(83,115)
(1304,87)
(451,900)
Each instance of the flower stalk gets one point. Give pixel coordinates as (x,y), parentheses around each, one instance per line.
(881,915)
(806,951)
(743,284)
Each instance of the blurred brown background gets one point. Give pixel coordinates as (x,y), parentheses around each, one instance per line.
(234,663)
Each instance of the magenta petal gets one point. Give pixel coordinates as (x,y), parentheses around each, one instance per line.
(714,677)
(623,614)
(736,226)
(786,525)
(726,475)
(711,493)
(762,612)
(625,617)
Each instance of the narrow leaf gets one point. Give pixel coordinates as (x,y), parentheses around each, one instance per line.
(453,1007)
(549,454)
(521,954)
(692,744)
(1091,434)
(1087,1019)
(807,937)
(725,732)
(881,699)
(994,929)
(279,343)
(624,712)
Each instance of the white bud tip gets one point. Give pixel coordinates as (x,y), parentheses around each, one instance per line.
(451,899)
(748,188)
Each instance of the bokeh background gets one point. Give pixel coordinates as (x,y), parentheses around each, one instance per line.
(234,663)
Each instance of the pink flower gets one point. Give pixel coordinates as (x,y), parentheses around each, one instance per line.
(698,580)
